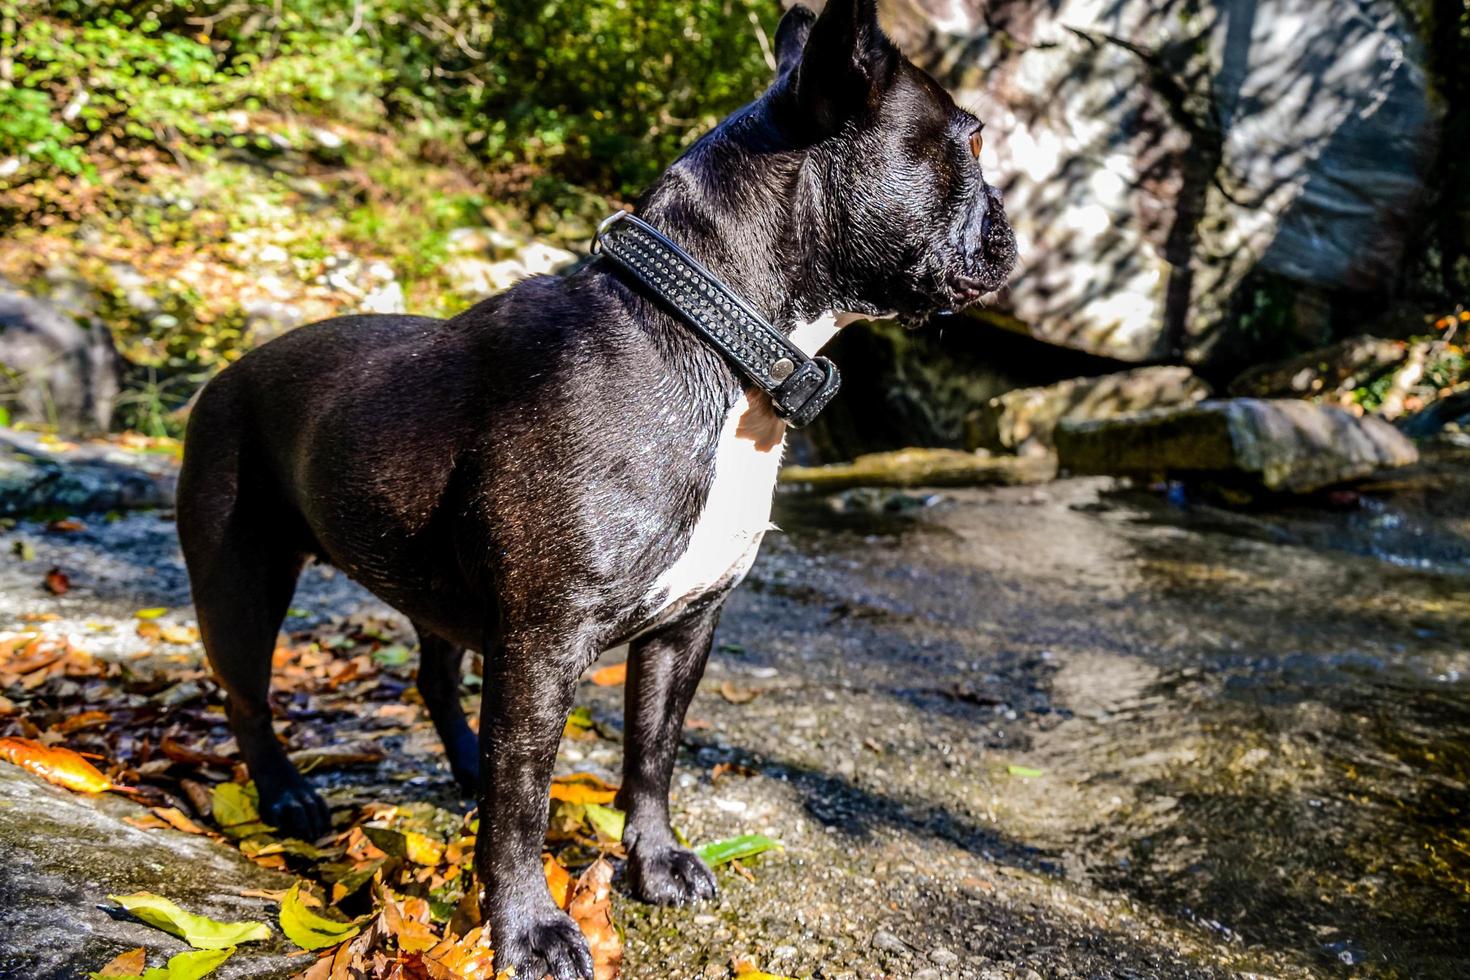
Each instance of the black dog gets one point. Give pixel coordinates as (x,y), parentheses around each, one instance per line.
(566,466)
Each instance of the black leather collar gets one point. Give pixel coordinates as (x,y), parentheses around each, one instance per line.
(799,386)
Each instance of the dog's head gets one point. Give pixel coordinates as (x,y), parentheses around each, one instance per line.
(909,223)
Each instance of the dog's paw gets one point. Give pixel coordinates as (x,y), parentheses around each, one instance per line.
(296,810)
(541,944)
(669,875)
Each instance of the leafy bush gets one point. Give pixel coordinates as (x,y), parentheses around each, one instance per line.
(595,92)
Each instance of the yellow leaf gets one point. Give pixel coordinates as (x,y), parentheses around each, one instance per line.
(198,931)
(310,929)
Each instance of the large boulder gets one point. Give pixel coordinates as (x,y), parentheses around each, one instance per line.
(1168,166)
(59,369)
(1022,421)
(1282,446)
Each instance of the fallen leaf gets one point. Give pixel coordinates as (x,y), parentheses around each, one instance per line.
(179,752)
(579,724)
(591,908)
(129,964)
(582,787)
(721,768)
(178,635)
(235,810)
(87,719)
(607,821)
(308,928)
(151,613)
(558,879)
(198,931)
(1025,772)
(395,655)
(746,970)
(176,819)
(55,764)
(57,582)
(737,695)
(407,920)
(24,550)
(611,675)
(191,965)
(68,525)
(470,958)
(720,852)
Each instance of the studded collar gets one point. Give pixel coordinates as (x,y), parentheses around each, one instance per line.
(799,386)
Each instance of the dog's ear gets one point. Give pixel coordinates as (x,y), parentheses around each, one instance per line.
(847,63)
(791,35)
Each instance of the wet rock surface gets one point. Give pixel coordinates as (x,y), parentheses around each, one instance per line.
(1023,420)
(40,475)
(922,468)
(1057,731)
(1282,446)
(63,854)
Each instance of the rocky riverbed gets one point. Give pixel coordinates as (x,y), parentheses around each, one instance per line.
(1054,731)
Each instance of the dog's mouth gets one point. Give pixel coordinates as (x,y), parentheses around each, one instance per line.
(988,267)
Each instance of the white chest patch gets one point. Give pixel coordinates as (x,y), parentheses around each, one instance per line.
(737,512)
(736,515)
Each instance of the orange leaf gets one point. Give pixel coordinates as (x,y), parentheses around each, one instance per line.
(469,958)
(129,964)
(611,675)
(591,909)
(58,765)
(558,879)
(57,582)
(582,787)
(87,719)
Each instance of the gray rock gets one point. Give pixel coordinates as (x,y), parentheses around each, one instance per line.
(476,278)
(1022,421)
(888,942)
(91,478)
(1283,446)
(1154,155)
(63,855)
(57,369)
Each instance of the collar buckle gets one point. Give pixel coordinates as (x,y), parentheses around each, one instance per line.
(799,386)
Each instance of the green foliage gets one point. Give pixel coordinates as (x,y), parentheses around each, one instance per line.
(595,92)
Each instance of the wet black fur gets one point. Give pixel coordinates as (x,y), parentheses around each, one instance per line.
(513,480)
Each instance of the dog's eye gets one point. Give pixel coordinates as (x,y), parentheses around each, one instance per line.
(977,143)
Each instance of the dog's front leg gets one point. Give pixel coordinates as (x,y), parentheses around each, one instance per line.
(528,690)
(664,668)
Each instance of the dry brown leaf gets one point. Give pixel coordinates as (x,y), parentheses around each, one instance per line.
(591,908)
(178,635)
(737,695)
(57,582)
(611,675)
(76,723)
(68,526)
(470,958)
(55,764)
(175,818)
(129,964)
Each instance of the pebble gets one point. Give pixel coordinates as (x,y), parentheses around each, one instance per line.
(940,956)
(730,806)
(888,942)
